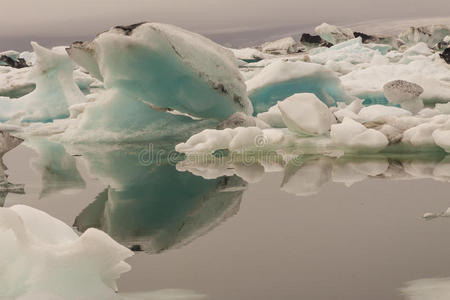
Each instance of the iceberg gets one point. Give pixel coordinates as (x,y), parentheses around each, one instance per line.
(334,34)
(45,257)
(346,56)
(55,90)
(430,35)
(282,79)
(166,67)
(11,58)
(15,83)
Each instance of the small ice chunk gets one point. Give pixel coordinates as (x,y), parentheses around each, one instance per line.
(356,137)
(207,141)
(306,114)
(429,216)
(272,117)
(248,54)
(378,112)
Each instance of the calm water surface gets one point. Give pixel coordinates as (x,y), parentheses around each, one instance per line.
(297,232)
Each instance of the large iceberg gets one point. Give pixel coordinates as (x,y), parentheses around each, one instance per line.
(166,67)
(160,82)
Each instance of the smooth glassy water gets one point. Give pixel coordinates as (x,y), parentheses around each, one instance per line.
(316,227)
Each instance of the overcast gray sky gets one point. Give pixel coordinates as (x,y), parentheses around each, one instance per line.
(67,19)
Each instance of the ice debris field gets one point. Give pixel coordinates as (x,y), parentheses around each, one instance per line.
(338,90)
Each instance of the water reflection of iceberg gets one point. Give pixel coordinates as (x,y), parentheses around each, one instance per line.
(154,208)
(58,169)
(7,143)
(305,174)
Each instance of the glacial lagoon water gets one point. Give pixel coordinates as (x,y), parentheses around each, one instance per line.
(315,228)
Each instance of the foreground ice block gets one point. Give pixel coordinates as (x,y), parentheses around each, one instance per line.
(45,259)
(55,90)
(166,67)
(282,79)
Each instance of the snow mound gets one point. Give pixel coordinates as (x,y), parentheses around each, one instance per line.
(42,250)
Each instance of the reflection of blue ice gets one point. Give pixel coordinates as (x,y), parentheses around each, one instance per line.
(7,143)
(306,174)
(57,168)
(154,208)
